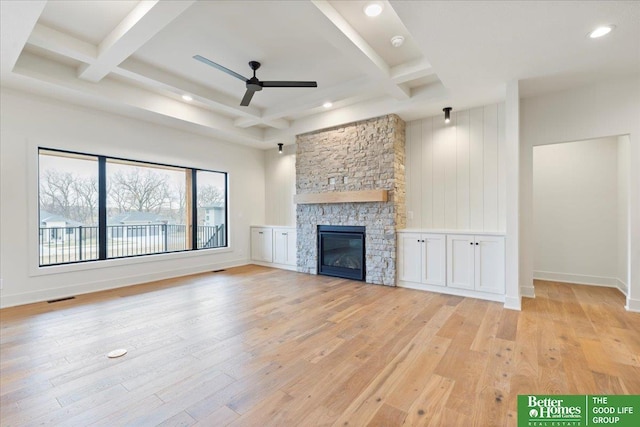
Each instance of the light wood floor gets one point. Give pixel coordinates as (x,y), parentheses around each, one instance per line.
(254,346)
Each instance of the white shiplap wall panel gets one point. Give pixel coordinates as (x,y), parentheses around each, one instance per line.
(490,167)
(450,175)
(439,162)
(426,214)
(502,171)
(458,179)
(462,170)
(280,186)
(476,169)
(414,167)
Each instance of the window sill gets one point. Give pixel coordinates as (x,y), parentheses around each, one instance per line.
(121,262)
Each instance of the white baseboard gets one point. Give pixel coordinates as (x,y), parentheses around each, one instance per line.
(102,285)
(451,291)
(275,265)
(528,291)
(580,279)
(621,286)
(513,303)
(633,305)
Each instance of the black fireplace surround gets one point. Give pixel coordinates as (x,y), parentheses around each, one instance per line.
(341,251)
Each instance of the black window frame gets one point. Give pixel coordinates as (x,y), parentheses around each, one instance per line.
(102,205)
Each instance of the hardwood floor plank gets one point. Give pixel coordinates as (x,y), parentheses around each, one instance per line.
(260,346)
(387,416)
(430,407)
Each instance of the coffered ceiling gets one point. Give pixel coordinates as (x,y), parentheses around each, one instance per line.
(136,57)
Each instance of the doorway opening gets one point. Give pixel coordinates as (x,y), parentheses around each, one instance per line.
(581,212)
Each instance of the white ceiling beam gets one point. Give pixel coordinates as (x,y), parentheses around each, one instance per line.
(155,77)
(17,19)
(58,42)
(315,99)
(411,71)
(63,44)
(145,20)
(118,92)
(360,111)
(245,122)
(373,65)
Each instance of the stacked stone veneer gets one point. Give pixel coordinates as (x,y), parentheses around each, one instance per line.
(366,155)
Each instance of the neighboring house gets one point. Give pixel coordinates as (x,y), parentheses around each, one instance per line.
(56,227)
(130,225)
(212,235)
(214,214)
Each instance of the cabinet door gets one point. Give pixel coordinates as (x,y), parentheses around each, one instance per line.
(409,257)
(292,248)
(460,260)
(489,264)
(284,246)
(261,244)
(434,264)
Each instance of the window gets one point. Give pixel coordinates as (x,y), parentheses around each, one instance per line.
(211,212)
(94,208)
(68,199)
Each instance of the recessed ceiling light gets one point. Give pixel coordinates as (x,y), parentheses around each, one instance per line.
(327,104)
(397,41)
(601,31)
(187,98)
(373,9)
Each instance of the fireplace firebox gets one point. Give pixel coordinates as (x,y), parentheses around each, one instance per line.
(341,251)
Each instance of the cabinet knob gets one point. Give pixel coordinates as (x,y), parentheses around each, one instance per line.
(471,243)
(260,232)
(477,243)
(284,234)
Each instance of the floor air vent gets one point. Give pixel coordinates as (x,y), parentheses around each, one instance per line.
(60,299)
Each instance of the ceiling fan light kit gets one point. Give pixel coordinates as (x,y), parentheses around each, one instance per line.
(254,84)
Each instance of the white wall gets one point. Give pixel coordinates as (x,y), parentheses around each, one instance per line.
(622,269)
(606,109)
(575,211)
(280,186)
(456,172)
(29,121)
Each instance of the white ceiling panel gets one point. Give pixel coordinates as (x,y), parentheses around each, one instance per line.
(136,57)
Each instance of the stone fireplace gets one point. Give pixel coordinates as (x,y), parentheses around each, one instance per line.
(365,155)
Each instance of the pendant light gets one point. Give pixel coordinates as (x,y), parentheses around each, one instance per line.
(447,114)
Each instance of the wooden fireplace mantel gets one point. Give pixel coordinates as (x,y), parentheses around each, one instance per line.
(342,197)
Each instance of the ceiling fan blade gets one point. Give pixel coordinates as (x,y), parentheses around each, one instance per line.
(246,99)
(220,67)
(288,84)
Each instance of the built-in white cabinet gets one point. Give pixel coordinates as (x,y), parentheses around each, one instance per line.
(476,262)
(262,244)
(455,263)
(284,246)
(274,246)
(422,258)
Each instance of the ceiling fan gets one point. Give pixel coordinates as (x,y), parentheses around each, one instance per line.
(253,84)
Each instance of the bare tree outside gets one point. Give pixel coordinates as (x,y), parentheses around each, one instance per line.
(139,191)
(209,195)
(69,195)
(146,208)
